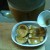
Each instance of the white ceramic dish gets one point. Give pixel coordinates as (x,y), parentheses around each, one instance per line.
(14,34)
(43,16)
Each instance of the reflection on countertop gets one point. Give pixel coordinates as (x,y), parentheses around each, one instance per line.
(6,16)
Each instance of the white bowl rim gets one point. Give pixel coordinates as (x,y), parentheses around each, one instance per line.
(39,18)
(23,44)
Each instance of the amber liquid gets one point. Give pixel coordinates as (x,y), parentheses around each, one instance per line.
(26,16)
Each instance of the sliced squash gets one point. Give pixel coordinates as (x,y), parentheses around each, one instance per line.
(31,29)
(33,41)
(41,38)
(40,31)
(22,30)
(21,40)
